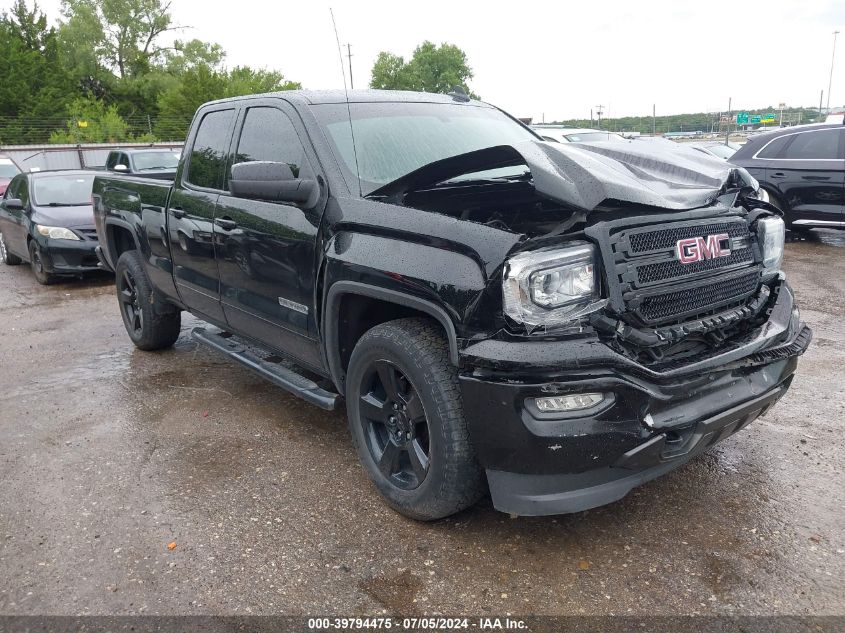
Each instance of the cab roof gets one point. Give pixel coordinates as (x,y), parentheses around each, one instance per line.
(315,97)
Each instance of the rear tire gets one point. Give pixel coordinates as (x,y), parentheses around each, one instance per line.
(5,255)
(37,265)
(150,322)
(407,423)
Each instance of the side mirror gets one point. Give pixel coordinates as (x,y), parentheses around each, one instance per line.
(120,168)
(267,180)
(13,204)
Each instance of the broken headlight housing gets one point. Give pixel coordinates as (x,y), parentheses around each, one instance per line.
(770,234)
(549,288)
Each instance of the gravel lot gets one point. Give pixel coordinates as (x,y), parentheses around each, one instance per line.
(109,454)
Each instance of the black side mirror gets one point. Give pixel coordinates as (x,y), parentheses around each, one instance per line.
(267,180)
(13,203)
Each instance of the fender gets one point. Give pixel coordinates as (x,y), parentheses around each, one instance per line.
(111,252)
(332,314)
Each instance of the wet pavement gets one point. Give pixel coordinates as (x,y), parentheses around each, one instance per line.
(109,454)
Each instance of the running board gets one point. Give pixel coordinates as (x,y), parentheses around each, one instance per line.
(276,373)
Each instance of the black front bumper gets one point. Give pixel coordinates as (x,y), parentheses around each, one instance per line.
(650,422)
(68,257)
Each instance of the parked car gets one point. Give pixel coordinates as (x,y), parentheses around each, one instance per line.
(802,169)
(576,135)
(719,149)
(46,220)
(557,322)
(149,163)
(8,170)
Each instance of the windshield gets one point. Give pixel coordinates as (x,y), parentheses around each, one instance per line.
(63,191)
(589,137)
(394,139)
(155,160)
(8,170)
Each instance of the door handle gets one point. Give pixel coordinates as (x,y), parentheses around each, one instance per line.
(227,224)
(778,174)
(178,212)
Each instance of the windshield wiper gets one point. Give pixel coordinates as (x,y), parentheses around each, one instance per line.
(64,204)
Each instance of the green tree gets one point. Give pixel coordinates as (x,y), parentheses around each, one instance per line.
(203,83)
(123,34)
(431,68)
(192,53)
(91,121)
(34,81)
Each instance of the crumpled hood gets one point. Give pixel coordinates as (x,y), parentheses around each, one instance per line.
(584,176)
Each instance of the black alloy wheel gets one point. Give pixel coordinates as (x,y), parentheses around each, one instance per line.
(395,427)
(405,413)
(127,293)
(151,322)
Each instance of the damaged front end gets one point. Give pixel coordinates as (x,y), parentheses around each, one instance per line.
(641,317)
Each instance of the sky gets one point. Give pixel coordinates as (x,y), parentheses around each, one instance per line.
(551,60)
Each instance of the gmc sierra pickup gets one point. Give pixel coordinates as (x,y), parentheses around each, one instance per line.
(556,323)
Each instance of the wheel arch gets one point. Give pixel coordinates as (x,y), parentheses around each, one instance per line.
(370,306)
(120,238)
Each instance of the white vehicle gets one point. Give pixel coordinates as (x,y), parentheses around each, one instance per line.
(575,135)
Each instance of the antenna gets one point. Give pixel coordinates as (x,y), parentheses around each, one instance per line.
(348,109)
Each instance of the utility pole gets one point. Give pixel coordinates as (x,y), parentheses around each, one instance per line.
(821,98)
(728,126)
(599,111)
(654,119)
(349,56)
(591,117)
(832,59)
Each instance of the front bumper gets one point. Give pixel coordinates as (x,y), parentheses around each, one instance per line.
(68,257)
(650,423)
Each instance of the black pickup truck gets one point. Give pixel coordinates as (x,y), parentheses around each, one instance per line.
(555,322)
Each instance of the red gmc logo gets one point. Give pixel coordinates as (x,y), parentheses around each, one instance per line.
(694,249)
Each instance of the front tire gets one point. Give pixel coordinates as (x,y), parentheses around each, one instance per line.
(150,325)
(406,420)
(37,265)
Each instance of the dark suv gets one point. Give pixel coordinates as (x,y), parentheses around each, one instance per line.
(803,171)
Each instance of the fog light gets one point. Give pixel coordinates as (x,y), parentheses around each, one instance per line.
(574,402)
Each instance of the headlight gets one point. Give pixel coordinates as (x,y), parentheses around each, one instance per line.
(56,232)
(770,234)
(551,287)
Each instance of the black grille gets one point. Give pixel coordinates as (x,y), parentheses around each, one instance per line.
(661,239)
(707,296)
(89,234)
(674,269)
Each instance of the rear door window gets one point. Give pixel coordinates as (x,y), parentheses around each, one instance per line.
(208,156)
(817,145)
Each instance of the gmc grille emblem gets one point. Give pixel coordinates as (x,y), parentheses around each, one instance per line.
(695,249)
